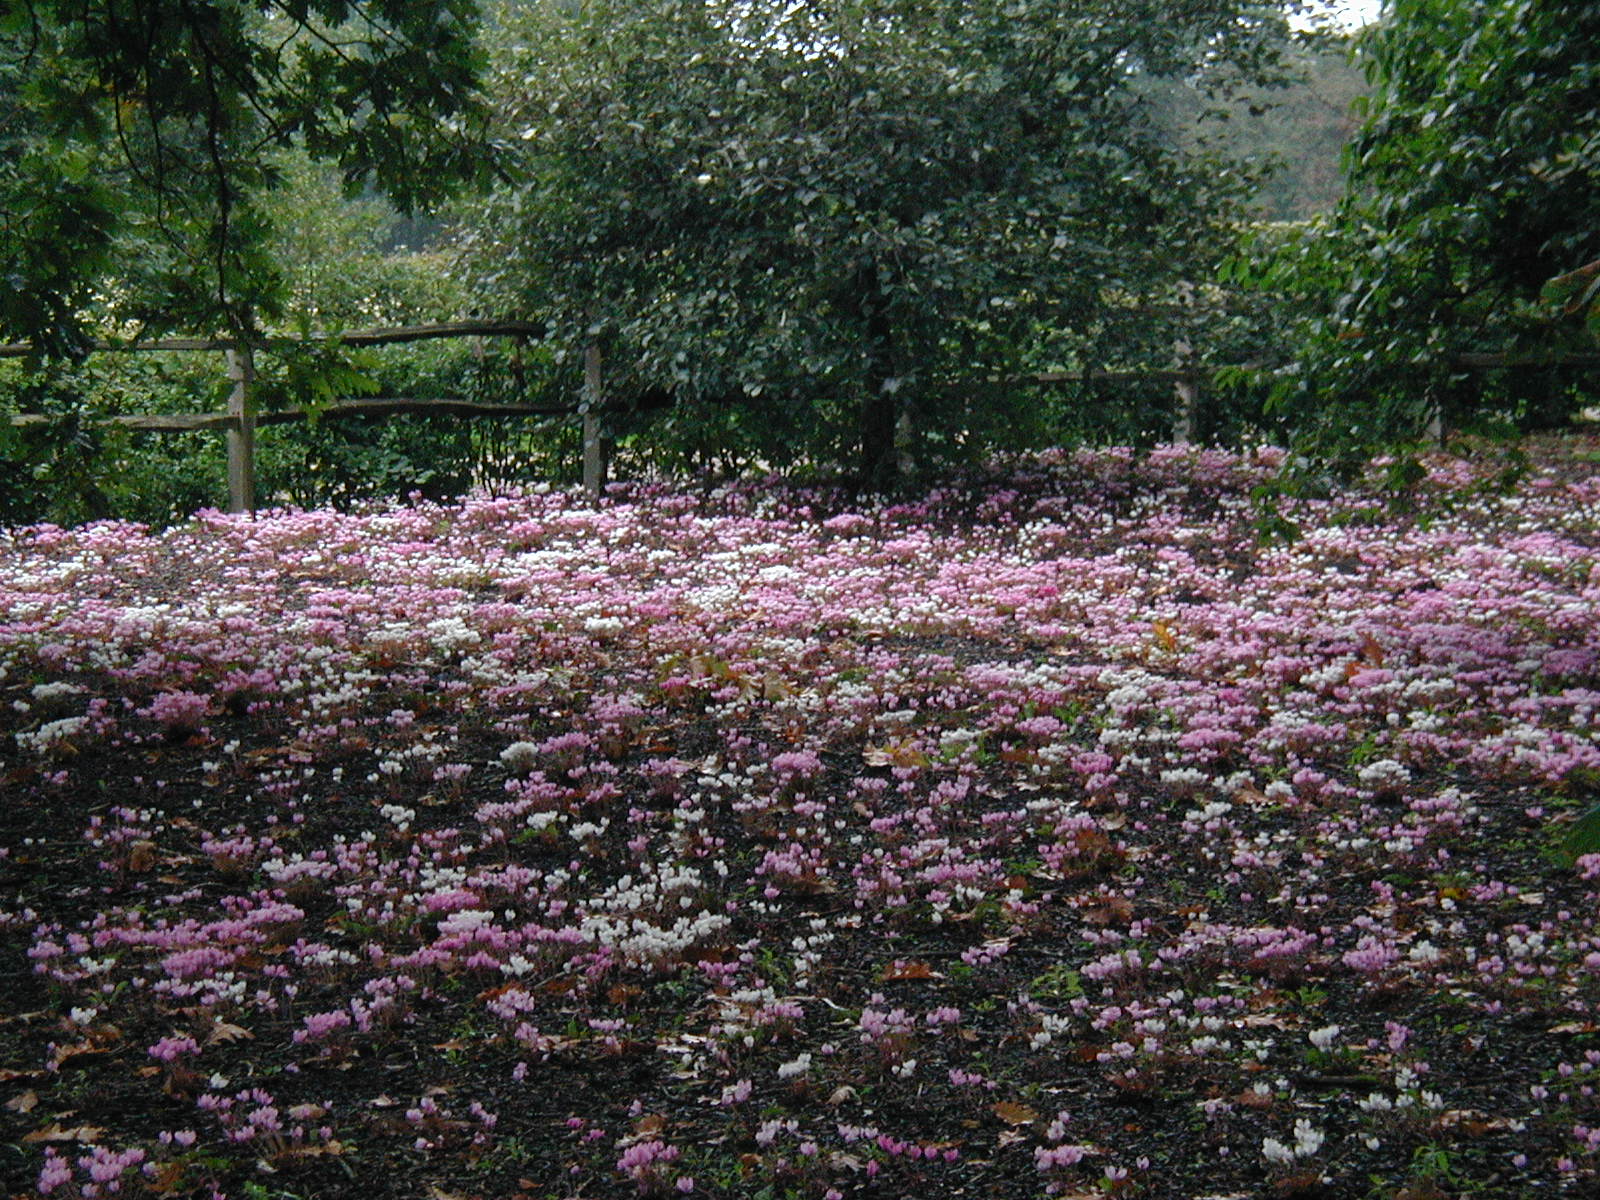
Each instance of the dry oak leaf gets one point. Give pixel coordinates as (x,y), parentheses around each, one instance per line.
(1114,910)
(1475,1123)
(141,856)
(225,1032)
(1013,1113)
(1254,797)
(89,1135)
(25,1103)
(64,1054)
(895,754)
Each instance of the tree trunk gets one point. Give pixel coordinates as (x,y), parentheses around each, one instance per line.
(242,430)
(880,408)
(596,450)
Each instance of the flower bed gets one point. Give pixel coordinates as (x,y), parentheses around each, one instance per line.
(1045,835)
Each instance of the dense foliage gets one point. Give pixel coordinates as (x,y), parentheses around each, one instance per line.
(801,236)
(1040,835)
(340,269)
(152,163)
(134,164)
(1474,182)
(821,217)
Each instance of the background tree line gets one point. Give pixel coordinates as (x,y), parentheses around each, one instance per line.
(800,236)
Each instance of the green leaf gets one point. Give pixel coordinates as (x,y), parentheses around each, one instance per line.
(1581,837)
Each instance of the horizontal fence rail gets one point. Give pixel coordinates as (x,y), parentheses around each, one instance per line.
(386,336)
(241,419)
(375,407)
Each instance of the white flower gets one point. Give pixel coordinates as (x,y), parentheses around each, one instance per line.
(1424,953)
(1307,1140)
(1326,1037)
(799,1066)
(1385,774)
(520,756)
(1275,1151)
(45,692)
(400,816)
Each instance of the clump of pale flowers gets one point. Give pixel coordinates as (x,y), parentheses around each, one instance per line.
(1307,1141)
(520,757)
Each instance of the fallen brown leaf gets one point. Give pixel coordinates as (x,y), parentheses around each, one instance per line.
(65,1054)
(1013,1113)
(224,1032)
(1474,1122)
(896,754)
(25,1103)
(141,856)
(1370,650)
(1265,1021)
(1254,797)
(329,1149)
(89,1135)
(1115,910)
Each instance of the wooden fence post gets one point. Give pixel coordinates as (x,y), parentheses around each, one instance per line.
(1187,391)
(242,429)
(594,434)
(1186,388)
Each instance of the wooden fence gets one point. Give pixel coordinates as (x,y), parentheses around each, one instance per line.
(241,419)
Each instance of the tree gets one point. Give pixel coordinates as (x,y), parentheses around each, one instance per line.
(1298,129)
(135,140)
(818,208)
(1475,181)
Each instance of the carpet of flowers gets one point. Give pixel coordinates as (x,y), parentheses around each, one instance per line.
(1046,835)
